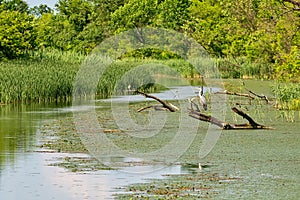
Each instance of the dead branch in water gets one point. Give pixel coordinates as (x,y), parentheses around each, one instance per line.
(235,94)
(165,105)
(263,97)
(259,96)
(200,116)
(229,126)
(156,107)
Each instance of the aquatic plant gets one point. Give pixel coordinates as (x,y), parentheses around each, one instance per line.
(49,76)
(288,95)
(243,68)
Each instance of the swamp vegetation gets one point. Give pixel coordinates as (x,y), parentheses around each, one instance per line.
(247,39)
(244,164)
(254,45)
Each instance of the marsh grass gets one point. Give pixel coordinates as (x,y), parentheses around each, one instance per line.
(48,76)
(243,68)
(288,96)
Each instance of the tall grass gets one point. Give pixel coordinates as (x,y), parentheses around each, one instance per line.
(243,68)
(288,95)
(49,76)
(140,74)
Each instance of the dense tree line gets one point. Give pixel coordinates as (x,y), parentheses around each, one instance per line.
(261,31)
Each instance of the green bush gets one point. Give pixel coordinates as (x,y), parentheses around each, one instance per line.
(17,34)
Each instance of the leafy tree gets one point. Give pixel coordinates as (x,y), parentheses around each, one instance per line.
(17,34)
(15,5)
(40,10)
(56,31)
(288,67)
(135,13)
(78,12)
(173,14)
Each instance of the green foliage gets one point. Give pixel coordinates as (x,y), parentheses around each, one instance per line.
(252,38)
(258,30)
(243,68)
(288,67)
(47,78)
(17,34)
(40,10)
(56,31)
(151,53)
(78,12)
(173,14)
(288,96)
(135,13)
(14,5)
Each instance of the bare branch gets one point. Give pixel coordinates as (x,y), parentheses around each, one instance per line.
(228,126)
(236,94)
(166,105)
(260,96)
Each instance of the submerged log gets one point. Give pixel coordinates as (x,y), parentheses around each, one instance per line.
(165,105)
(229,126)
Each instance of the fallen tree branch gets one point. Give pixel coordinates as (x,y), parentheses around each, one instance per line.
(156,107)
(236,94)
(229,126)
(259,96)
(207,118)
(165,104)
(245,95)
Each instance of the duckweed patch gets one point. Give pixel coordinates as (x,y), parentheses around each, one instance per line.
(201,185)
(61,136)
(80,164)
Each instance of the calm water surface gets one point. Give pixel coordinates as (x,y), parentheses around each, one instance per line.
(26,171)
(267,161)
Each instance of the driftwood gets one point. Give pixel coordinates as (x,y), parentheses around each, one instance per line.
(200,116)
(164,104)
(263,97)
(259,96)
(229,126)
(235,94)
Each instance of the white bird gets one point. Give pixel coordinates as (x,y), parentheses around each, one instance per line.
(202,98)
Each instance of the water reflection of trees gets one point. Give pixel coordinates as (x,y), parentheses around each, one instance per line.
(17,132)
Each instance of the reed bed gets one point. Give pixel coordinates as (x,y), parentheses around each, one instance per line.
(288,95)
(48,76)
(39,81)
(243,68)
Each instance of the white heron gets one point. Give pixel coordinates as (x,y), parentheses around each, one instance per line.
(202,98)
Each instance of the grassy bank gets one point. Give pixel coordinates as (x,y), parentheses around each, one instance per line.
(48,76)
(288,96)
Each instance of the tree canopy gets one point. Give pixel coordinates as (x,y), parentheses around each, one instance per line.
(265,31)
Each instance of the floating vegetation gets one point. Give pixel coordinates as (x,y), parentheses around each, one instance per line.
(61,136)
(185,186)
(80,164)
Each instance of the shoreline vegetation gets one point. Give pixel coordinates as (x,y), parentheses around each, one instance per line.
(42,48)
(48,76)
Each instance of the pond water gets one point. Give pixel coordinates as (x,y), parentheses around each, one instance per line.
(26,171)
(266,162)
